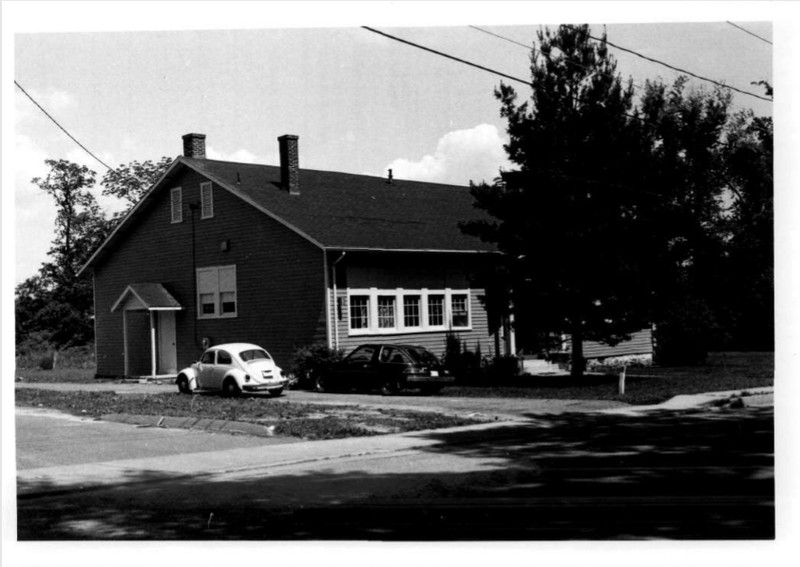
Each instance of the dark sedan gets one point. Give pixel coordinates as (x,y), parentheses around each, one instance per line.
(389,368)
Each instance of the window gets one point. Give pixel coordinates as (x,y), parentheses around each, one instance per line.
(361,354)
(206,201)
(460,311)
(386,311)
(359,312)
(208,357)
(411,310)
(176,198)
(436,310)
(223,357)
(378,311)
(216,292)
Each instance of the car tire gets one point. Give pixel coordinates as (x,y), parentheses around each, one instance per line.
(390,387)
(231,389)
(183,384)
(276,392)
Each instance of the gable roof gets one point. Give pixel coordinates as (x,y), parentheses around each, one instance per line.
(340,211)
(147,296)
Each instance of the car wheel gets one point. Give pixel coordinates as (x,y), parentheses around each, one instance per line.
(183,385)
(390,387)
(276,392)
(230,388)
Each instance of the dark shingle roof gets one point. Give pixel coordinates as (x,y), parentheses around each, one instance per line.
(342,210)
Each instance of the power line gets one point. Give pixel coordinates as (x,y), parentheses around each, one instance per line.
(428,49)
(60,126)
(534,50)
(749,32)
(634,53)
(723,85)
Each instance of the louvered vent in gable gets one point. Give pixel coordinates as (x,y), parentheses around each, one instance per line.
(206,201)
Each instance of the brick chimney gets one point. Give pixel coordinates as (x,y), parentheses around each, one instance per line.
(290,166)
(194,146)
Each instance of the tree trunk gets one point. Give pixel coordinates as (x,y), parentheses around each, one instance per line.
(578,364)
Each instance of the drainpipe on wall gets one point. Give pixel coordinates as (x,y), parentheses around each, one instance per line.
(336,302)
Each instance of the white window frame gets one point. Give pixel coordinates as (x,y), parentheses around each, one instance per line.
(400,327)
(206,201)
(176,205)
(216,289)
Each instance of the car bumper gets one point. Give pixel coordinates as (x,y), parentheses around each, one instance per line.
(265,386)
(430,379)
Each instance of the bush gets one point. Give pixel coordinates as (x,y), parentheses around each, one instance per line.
(614,363)
(45,356)
(308,361)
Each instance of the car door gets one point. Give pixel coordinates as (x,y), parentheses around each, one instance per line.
(392,361)
(205,370)
(223,364)
(357,368)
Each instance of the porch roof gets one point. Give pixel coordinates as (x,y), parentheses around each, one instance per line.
(146,296)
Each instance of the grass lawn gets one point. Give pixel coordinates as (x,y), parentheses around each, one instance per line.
(722,372)
(307,421)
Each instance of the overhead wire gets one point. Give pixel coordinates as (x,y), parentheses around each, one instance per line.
(71,137)
(749,32)
(464,61)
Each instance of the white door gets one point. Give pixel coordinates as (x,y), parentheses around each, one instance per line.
(167,354)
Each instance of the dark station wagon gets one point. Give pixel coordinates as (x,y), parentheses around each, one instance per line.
(388,368)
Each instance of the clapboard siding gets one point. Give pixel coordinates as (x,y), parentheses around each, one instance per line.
(394,270)
(280,276)
(641,342)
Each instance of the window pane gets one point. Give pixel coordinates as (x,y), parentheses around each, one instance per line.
(362,354)
(359,312)
(228,302)
(386,311)
(460,312)
(436,310)
(411,310)
(223,357)
(207,304)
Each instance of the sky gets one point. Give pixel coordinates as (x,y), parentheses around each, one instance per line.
(359,102)
(129,79)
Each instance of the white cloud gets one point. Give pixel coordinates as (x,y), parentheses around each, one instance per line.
(241,156)
(461,156)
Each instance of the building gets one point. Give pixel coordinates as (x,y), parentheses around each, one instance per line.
(285,257)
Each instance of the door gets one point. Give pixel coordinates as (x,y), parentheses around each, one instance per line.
(358,367)
(167,353)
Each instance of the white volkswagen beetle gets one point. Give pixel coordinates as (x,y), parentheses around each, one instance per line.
(232,369)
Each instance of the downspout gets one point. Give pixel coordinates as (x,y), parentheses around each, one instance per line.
(336,302)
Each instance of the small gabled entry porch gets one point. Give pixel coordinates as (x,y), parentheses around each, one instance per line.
(148,327)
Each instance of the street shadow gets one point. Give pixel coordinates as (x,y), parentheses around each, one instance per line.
(667,475)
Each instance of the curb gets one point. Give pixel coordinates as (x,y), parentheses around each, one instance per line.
(196,423)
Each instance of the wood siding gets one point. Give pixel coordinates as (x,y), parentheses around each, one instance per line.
(280,277)
(392,270)
(641,342)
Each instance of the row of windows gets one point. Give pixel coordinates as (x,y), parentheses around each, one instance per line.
(206,202)
(386,311)
(371,311)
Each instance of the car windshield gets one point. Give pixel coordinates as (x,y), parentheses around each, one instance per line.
(423,356)
(254,354)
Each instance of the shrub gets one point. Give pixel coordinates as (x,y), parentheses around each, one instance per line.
(616,362)
(308,361)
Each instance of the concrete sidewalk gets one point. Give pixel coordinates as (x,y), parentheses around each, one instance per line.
(264,460)
(238,463)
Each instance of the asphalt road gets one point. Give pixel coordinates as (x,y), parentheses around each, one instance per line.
(700,474)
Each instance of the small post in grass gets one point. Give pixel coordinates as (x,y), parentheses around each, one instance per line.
(622,380)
